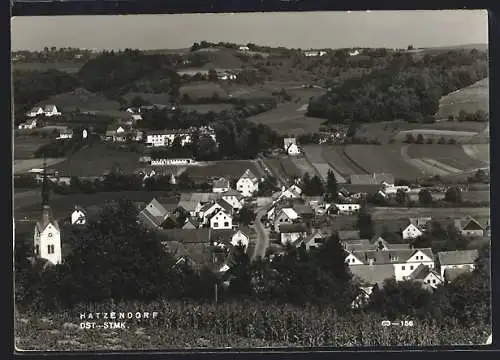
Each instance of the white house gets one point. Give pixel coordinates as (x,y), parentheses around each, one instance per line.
(470,227)
(313,53)
(347,209)
(285,216)
(244,48)
(28,124)
(65,134)
(50,110)
(84,134)
(287,142)
(427,276)
(247,184)
(416,227)
(221,220)
(36,111)
(411,232)
(293,192)
(464,259)
(47,238)
(78,216)
(221,185)
(292,233)
(354,53)
(167,137)
(293,150)
(239,237)
(233,198)
(404,261)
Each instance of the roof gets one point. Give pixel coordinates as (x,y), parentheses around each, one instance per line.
(248,174)
(199,254)
(188,205)
(50,107)
(420,222)
(292,228)
(469,223)
(373,179)
(225,205)
(389,256)
(221,183)
(373,274)
(421,272)
(46,219)
(348,235)
(290,213)
(459,257)
(185,235)
(303,209)
(452,274)
(199,197)
(289,141)
(232,192)
(370,189)
(193,221)
(221,235)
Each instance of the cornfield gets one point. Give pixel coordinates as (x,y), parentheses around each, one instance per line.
(231,325)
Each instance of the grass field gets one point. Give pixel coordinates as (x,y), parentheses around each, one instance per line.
(274,165)
(325,158)
(303,165)
(480,152)
(470,99)
(388,213)
(476,196)
(158,99)
(25,146)
(203,90)
(83,100)
(23,166)
(95,160)
(70,67)
(205,108)
(228,168)
(452,156)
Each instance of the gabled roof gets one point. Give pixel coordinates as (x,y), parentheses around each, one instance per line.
(292,228)
(194,222)
(460,257)
(49,108)
(389,257)
(225,205)
(421,272)
(420,222)
(232,192)
(452,274)
(221,235)
(248,174)
(373,274)
(469,223)
(185,235)
(79,208)
(302,209)
(221,183)
(369,189)
(197,254)
(46,219)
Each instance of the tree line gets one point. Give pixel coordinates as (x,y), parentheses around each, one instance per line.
(403,87)
(114,258)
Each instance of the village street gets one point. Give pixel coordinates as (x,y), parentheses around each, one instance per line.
(262,242)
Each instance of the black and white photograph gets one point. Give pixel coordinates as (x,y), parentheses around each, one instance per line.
(251,181)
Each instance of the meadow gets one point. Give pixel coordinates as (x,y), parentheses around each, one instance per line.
(26,145)
(83,100)
(205,108)
(232,325)
(226,168)
(388,213)
(70,67)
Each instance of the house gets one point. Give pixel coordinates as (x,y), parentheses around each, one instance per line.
(427,276)
(65,134)
(192,203)
(404,261)
(292,233)
(221,185)
(287,142)
(293,192)
(220,219)
(344,209)
(314,53)
(173,161)
(155,214)
(28,124)
(293,150)
(167,137)
(285,216)
(244,48)
(191,223)
(36,111)
(247,184)
(470,227)
(362,298)
(416,227)
(304,211)
(240,237)
(84,134)
(50,110)
(78,216)
(316,239)
(47,237)
(372,179)
(211,208)
(373,274)
(354,53)
(463,259)
(233,198)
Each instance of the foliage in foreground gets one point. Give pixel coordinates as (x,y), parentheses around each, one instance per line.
(243,324)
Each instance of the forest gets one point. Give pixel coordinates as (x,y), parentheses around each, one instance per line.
(402,87)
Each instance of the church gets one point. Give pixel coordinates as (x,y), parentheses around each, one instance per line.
(47,237)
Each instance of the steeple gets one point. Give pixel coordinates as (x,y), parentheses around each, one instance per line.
(45,185)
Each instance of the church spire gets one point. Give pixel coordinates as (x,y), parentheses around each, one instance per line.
(45,185)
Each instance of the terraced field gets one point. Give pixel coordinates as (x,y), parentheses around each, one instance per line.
(303,165)
(480,152)
(450,158)
(335,157)
(316,156)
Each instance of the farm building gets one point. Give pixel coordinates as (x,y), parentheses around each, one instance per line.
(221,185)
(470,227)
(416,227)
(292,233)
(427,276)
(28,124)
(248,183)
(452,260)
(220,219)
(78,216)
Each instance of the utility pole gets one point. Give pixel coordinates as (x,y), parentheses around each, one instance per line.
(216,295)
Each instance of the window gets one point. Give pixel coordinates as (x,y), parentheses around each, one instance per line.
(402,267)
(49,234)
(50,249)
(411,267)
(37,249)
(433,281)
(226,224)
(216,224)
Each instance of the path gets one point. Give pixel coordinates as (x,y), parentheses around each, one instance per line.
(262,242)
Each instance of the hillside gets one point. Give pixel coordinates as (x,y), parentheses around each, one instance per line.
(219,58)
(82,99)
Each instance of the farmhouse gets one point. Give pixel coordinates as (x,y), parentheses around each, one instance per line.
(416,227)
(344,209)
(285,216)
(156,214)
(314,53)
(191,223)
(50,110)
(36,111)
(293,150)
(451,260)
(317,238)
(233,198)
(28,124)
(372,179)
(247,184)
(211,208)
(287,142)
(404,261)
(221,185)
(292,233)
(47,237)
(166,137)
(220,219)
(427,276)
(78,216)
(470,227)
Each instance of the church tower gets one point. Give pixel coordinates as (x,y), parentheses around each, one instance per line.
(47,238)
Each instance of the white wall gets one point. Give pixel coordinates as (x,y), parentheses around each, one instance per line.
(50,236)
